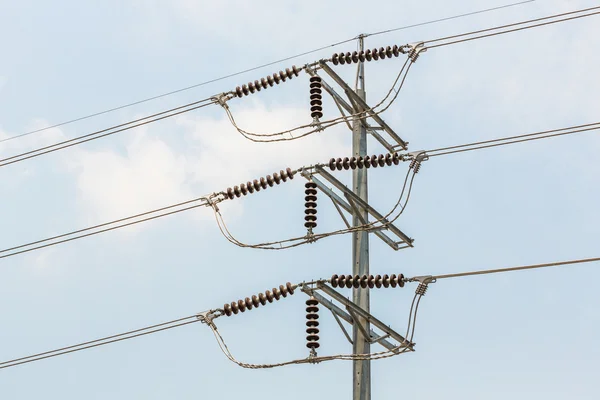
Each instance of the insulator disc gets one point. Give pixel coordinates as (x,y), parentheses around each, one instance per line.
(257,85)
(270,180)
(243,189)
(338,164)
(248,303)
(311,188)
(315,85)
(314,79)
(386,281)
(395,51)
(249,186)
(290,173)
(396,159)
(382,53)
(276,293)
(388,52)
(251,87)
(316,96)
(310,218)
(241,305)
(256,185)
(381,160)
(238,92)
(283,76)
(342,59)
(312,322)
(263,182)
(290,288)
(342,281)
(283,175)
(346,163)
(310,225)
(374,162)
(312,338)
(363,281)
(276,178)
(235,308)
(317,102)
(375,54)
(318,91)
(331,164)
(334,279)
(264,83)
(355,56)
(270,80)
(367,161)
(310,204)
(262,298)
(255,301)
(283,290)
(313,345)
(269,296)
(348,57)
(388,159)
(236,190)
(312,301)
(361,56)
(296,70)
(393,281)
(371,281)
(289,73)
(401,280)
(360,162)
(349,281)
(368,55)
(227,310)
(245,90)
(276,78)
(334,59)
(356,281)
(230,193)
(312,309)
(310,211)
(312,316)
(316,114)
(312,331)
(378,281)
(310,198)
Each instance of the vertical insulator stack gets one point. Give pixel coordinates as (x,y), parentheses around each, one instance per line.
(316,98)
(312,323)
(310,205)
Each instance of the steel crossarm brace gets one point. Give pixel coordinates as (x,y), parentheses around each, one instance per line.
(360,102)
(363,314)
(361,203)
(338,201)
(343,103)
(338,312)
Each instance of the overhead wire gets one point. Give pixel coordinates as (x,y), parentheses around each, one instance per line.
(148,99)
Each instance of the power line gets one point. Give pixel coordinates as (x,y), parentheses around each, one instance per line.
(511,269)
(102,341)
(106,111)
(447,18)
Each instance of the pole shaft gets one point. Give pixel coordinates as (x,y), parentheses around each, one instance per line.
(360,251)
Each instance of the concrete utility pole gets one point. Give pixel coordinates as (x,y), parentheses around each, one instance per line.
(360,248)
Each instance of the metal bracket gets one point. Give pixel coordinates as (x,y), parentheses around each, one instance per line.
(363,106)
(415,50)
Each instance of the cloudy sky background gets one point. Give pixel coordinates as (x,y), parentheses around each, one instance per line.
(523,335)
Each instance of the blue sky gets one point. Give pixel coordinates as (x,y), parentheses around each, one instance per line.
(523,335)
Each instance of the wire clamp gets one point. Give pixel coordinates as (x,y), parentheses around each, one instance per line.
(222,99)
(415,50)
(212,204)
(207,317)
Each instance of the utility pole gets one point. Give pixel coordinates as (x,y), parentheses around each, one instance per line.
(360,247)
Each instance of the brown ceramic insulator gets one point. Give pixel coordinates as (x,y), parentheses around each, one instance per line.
(310,198)
(283,76)
(270,181)
(349,281)
(310,192)
(312,301)
(334,280)
(238,91)
(396,51)
(251,87)
(310,211)
(276,293)
(375,54)
(381,160)
(256,185)
(388,159)
(332,164)
(312,309)
(368,55)
(401,280)
(334,59)
(227,310)
(283,175)
(269,296)
(243,189)
(263,183)
(342,281)
(313,339)
(296,70)
(255,301)
(312,330)
(360,163)
(382,53)
(241,305)
(312,315)
(338,164)
(312,323)
(367,161)
(374,162)
(262,298)
(290,288)
(248,302)
(276,78)
(257,85)
(355,57)
(290,173)
(361,56)
(313,345)
(346,163)
(388,52)
(264,83)
(276,178)
(316,112)
(378,281)
(245,90)
(371,281)
(363,281)
(270,80)
(234,307)
(283,290)
(288,73)
(386,281)
(393,281)
(342,58)
(348,57)
(356,281)
(310,204)
(237,192)
(230,193)
(249,186)
(396,159)
(352,162)
(310,185)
